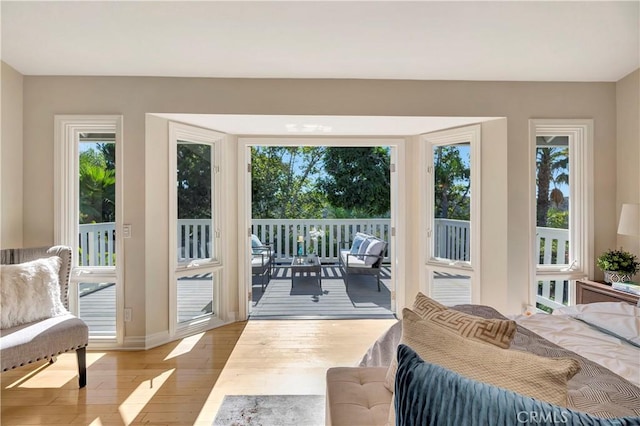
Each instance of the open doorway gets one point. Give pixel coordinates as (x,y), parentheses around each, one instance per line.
(319,213)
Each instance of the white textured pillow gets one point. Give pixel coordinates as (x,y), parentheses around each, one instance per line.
(374,248)
(617,318)
(30,291)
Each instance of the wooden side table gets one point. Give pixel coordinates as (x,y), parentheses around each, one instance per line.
(593,291)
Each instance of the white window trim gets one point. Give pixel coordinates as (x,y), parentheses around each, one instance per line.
(214,265)
(580,133)
(66,192)
(471,134)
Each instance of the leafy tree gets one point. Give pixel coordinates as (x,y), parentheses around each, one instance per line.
(357,179)
(552,165)
(283,182)
(194,181)
(452,184)
(97,187)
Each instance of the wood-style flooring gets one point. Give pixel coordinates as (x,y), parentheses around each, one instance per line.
(184,382)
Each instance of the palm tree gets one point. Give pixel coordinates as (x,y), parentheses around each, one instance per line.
(552,168)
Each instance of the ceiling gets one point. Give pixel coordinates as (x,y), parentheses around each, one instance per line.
(513,41)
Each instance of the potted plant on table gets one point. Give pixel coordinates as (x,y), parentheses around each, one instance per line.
(618,265)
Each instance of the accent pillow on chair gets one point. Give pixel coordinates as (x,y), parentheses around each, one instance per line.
(30,291)
(374,249)
(358,239)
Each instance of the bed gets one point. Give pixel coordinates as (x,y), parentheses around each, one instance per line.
(608,382)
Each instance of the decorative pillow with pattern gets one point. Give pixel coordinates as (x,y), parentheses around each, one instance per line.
(528,374)
(495,332)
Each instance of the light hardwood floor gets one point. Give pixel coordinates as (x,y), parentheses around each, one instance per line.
(185,381)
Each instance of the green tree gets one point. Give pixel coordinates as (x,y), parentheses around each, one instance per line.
(97,187)
(194,181)
(358,179)
(283,182)
(552,168)
(452,183)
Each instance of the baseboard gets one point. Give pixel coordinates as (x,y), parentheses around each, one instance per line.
(157,339)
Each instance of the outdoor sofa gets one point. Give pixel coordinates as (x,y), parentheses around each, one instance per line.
(363,258)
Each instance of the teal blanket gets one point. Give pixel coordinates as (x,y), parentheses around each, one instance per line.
(430,395)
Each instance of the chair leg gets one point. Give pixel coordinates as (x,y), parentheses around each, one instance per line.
(378,277)
(82,366)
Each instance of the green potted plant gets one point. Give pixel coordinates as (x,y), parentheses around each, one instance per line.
(618,265)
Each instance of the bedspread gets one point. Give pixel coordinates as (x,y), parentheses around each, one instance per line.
(595,389)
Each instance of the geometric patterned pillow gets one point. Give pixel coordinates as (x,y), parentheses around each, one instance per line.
(528,374)
(494,331)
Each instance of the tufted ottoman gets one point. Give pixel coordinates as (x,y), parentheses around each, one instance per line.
(357,396)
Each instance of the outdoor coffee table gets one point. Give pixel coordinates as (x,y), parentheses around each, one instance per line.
(303,264)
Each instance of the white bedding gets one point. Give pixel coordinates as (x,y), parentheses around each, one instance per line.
(611,352)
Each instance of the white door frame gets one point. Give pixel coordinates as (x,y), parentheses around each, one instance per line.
(398,198)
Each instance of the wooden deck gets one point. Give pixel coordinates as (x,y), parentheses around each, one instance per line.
(281,300)
(304,299)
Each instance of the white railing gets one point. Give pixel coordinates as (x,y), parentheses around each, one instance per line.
(553,249)
(452,238)
(336,234)
(97,244)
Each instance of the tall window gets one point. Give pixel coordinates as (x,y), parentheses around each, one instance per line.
(561,151)
(453,200)
(88,206)
(196,263)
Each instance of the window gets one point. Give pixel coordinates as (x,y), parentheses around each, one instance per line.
(561,232)
(196,264)
(88,216)
(452,193)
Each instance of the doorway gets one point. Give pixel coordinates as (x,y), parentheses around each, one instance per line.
(308,209)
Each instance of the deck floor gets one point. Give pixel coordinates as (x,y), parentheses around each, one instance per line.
(303,297)
(281,300)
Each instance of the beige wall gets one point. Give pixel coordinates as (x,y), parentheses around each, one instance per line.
(628,150)
(134,97)
(11,158)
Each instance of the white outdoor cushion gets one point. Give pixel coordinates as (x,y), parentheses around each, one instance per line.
(374,248)
(353,260)
(258,260)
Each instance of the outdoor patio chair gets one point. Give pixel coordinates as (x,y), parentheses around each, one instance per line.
(262,260)
(363,258)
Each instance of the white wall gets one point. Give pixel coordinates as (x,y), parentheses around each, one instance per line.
(628,150)
(135,96)
(11,158)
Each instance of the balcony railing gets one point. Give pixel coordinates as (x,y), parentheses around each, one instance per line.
(452,238)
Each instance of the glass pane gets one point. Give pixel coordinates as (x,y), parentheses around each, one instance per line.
(451,289)
(97,307)
(552,294)
(552,199)
(97,199)
(194,182)
(452,202)
(195,297)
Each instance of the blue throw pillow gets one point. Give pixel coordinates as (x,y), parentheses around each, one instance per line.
(255,243)
(358,239)
(428,394)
